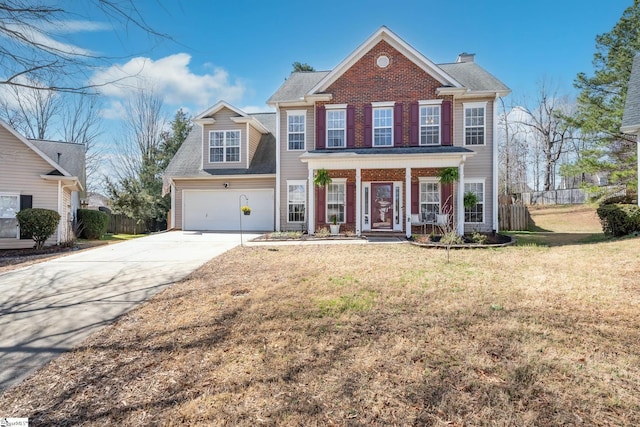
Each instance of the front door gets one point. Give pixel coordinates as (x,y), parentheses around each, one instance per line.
(382,206)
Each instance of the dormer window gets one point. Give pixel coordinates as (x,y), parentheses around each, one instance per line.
(224,146)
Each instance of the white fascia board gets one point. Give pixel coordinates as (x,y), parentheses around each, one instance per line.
(219,106)
(216,177)
(70,179)
(630,130)
(204,121)
(252,121)
(383,33)
(455,91)
(383,161)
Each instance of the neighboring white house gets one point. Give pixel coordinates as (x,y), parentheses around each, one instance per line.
(38,174)
(631,117)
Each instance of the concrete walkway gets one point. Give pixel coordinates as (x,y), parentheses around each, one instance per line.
(49,308)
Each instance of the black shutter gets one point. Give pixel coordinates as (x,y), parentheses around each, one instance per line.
(26,202)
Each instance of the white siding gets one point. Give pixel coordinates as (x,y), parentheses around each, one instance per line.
(20,170)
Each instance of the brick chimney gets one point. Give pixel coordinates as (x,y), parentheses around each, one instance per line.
(466,57)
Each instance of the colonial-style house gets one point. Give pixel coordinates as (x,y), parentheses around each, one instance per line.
(38,174)
(382,124)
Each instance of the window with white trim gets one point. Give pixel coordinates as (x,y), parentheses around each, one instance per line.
(9,207)
(429,200)
(296,201)
(224,146)
(383,127)
(430,125)
(474,123)
(336,128)
(296,122)
(336,201)
(475,214)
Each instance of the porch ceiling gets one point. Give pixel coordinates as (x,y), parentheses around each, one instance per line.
(387,158)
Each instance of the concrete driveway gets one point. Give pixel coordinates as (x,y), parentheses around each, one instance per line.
(49,308)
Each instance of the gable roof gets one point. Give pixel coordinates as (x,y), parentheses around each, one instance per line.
(297,86)
(631,116)
(462,77)
(71,158)
(394,41)
(217,107)
(474,78)
(35,149)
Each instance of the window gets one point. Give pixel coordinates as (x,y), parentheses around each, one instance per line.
(429,200)
(9,207)
(336,128)
(382,127)
(224,146)
(336,201)
(296,201)
(474,123)
(475,214)
(430,125)
(296,129)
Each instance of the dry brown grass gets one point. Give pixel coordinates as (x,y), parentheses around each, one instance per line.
(365,335)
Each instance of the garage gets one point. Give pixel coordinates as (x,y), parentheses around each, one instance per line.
(219,210)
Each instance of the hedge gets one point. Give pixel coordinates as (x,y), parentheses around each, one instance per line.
(93,224)
(619,219)
(37,223)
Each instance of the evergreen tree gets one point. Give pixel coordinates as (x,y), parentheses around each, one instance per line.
(602,98)
(299,66)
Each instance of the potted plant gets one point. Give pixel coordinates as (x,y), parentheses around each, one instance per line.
(246,210)
(334,226)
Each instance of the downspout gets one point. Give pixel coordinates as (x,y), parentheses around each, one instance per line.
(495,166)
(278,188)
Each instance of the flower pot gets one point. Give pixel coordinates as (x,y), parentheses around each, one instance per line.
(247,212)
(335,229)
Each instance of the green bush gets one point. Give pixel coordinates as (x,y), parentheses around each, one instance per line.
(619,219)
(92,223)
(39,224)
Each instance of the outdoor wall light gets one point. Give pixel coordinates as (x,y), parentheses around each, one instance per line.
(226,185)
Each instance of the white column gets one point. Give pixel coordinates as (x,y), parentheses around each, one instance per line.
(61,222)
(311,209)
(407,207)
(278,176)
(358,206)
(460,199)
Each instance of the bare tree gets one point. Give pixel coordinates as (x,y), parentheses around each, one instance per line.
(31,111)
(138,149)
(81,124)
(30,47)
(550,131)
(512,151)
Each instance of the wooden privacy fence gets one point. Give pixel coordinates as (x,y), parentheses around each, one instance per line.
(120,224)
(513,217)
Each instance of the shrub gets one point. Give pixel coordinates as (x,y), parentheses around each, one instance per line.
(619,219)
(92,223)
(39,224)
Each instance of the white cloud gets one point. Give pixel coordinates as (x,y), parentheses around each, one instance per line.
(38,37)
(172,79)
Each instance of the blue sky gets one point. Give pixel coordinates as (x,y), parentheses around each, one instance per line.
(242,50)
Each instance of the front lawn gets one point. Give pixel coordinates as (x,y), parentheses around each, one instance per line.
(365,335)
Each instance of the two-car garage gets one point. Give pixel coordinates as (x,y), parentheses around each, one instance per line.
(219,210)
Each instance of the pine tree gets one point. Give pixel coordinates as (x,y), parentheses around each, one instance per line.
(602,98)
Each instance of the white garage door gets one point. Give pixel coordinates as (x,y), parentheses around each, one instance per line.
(220,210)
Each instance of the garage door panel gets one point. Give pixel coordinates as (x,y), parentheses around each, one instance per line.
(220,210)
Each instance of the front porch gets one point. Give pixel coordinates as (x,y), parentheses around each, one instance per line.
(390,191)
